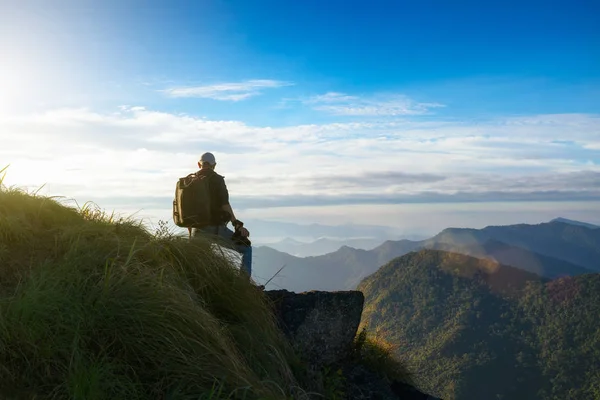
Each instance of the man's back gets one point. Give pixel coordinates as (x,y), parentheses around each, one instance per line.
(222,212)
(219,195)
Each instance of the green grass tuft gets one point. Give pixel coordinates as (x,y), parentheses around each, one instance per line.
(93,306)
(378,355)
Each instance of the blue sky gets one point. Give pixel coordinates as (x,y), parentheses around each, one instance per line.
(512,57)
(437,101)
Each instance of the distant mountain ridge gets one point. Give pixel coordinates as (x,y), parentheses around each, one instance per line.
(514,256)
(572,243)
(340,270)
(573,222)
(551,250)
(321,246)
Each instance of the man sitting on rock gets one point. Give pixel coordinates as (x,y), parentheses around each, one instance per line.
(222,213)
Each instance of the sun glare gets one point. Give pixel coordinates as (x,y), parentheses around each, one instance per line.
(16,80)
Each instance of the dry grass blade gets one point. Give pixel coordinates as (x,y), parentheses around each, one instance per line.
(3,175)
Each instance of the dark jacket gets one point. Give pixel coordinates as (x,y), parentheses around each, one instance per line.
(219,196)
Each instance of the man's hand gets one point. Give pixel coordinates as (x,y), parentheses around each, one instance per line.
(239,227)
(237,224)
(244,232)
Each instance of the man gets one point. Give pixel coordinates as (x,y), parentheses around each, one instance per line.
(222,213)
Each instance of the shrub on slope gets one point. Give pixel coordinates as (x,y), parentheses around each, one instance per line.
(92,307)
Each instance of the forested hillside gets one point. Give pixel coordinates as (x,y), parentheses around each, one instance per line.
(475,329)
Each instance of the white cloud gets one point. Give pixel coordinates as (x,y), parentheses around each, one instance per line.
(227,91)
(134,154)
(343,104)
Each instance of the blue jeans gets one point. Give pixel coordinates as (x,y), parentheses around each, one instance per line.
(226,233)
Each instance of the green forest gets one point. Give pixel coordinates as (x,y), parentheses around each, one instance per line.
(473,329)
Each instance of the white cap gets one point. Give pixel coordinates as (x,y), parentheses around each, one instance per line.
(209,158)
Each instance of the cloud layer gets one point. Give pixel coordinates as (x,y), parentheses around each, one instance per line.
(135,155)
(392,105)
(227,91)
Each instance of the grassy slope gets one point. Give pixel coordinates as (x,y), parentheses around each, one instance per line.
(97,308)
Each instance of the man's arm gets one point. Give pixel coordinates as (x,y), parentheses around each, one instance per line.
(243,231)
(223,195)
(227,208)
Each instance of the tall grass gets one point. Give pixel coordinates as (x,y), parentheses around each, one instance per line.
(93,306)
(378,355)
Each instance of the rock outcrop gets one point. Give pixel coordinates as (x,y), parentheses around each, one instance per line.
(322,326)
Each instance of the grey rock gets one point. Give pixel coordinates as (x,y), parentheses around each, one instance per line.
(363,384)
(320,325)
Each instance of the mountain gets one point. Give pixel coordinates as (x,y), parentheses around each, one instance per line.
(477,329)
(578,223)
(550,250)
(340,270)
(320,246)
(516,257)
(572,243)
